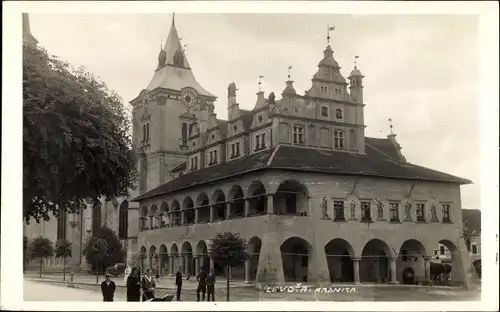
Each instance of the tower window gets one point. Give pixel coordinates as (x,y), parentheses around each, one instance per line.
(338,91)
(354,82)
(298,135)
(324,111)
(338,113)
(339,139)
(194,163)
(145,133)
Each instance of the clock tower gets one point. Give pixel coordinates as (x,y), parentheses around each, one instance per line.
(165,112)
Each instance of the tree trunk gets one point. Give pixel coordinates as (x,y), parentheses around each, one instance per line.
(228,270)
(41,264)
(64,268)
(97,272)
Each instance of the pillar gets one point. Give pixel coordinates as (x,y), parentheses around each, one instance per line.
(228,210)
(196,211)
(355,263)
(248,268)
(211,213)
(270,207)
(182,217)
(212,265)
(427,268)
(186,265)
(247,208)
(197,265)
(394,276)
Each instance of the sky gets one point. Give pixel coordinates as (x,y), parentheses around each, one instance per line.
(422,71)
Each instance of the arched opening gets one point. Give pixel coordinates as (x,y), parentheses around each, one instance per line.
(143,219)
(236,202)
(142,257)
(291,198)
(153,217)
(257,199)
(174,257)
(295,253)
(339,255)
(188,208)
(202,253)
(219,200)
(96,217)
(203,206)
(374,265)
(411,256)
(163,260)
(187,259)
(164,215)
(176,213)
(184,133)
(254,246)
(152,257)
(123,220)
(179,59)
(453,274)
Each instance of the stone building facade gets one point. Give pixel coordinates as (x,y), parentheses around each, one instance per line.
(316,199)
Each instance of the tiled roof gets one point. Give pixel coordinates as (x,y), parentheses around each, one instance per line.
(380,161)
(473,219)
(206,175)
(374,163)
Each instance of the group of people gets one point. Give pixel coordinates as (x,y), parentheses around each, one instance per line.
(146,285)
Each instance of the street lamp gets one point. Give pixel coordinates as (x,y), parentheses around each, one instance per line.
(73,225)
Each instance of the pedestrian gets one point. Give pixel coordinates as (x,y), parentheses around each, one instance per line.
(134,285)
(126,274)
(178,283)
(157,274)
(108,288)
(210,282)
(202,285)
(148,286)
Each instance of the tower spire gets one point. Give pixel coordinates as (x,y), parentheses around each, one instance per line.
(328,29)
(173,19)
(260,83)
(289,72)
(174,50)
(390,126)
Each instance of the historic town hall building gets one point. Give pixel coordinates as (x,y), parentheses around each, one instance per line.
(296,176)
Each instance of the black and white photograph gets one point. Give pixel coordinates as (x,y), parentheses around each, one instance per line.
(209,157)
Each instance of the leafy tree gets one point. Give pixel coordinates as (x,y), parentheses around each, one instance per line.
(41,248)
(76,138)
(229,250)
(63,250)
(103,249)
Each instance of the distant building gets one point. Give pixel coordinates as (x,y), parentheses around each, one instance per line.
(315,198)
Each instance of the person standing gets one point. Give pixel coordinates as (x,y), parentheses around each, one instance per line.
(108,288)
(178,283)
(133,286)
(127,272)
(202,285)
(148,286)
(210,282)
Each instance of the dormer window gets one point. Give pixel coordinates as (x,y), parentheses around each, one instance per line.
(338,113)
(260,118)
(338,91)
(235,149)
(339,139)
(194,163)
(235,128)
(213,157)
(179,59)
(324,89)
(298,135)
(260,141)
(324,111)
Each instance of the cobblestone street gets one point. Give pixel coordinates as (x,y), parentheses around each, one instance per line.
(41,291)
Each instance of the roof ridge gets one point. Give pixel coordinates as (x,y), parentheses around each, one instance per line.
(270,160)
(378,150)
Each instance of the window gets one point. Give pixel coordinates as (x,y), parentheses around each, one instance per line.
(441,250)
(446,212)
(235,128)
(394,211)
(145,133)
(298,135)
(338,113)
(213,157)
(324,89)
(184,133)
(474,249)
(324,111)
(338,210)
(366,216)
(194,163)
(435,252)
(353,82)
(260,118)
(420,212)
(178,59)
(260,141)
(339,139)
(235,149)
(337,91)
